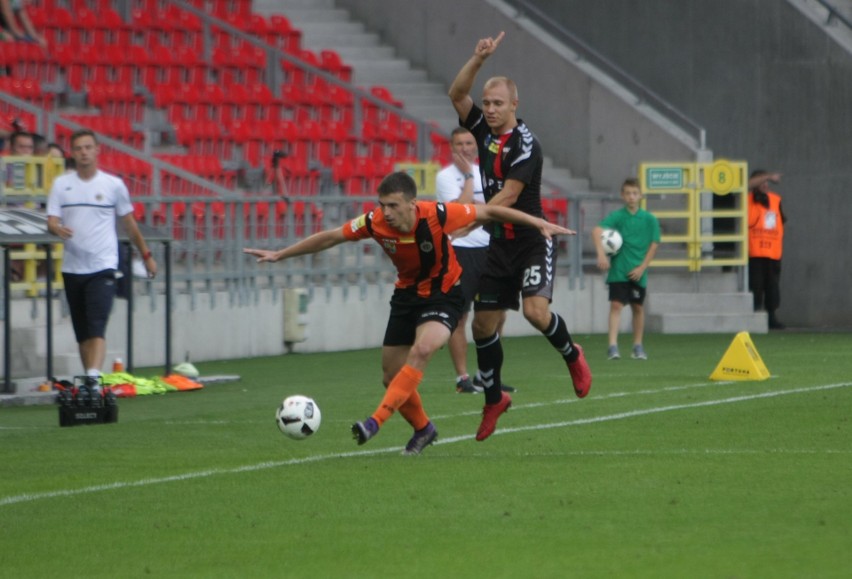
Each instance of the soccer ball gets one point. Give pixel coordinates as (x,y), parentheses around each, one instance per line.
(611,240)
(298,417)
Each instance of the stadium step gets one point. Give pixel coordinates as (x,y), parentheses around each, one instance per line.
(712,323)
(703,312)
(323,27)
(363,52)
(373,62)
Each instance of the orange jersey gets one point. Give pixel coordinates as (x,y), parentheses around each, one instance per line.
(424,257)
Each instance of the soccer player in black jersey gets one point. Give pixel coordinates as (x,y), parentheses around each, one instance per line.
(520,260)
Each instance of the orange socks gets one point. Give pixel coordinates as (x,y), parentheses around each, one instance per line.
(413,411)
(402,391)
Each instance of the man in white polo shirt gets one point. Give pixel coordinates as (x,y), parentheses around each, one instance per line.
(82,210)
(460,182)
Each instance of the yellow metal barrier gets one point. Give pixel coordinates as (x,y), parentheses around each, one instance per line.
(424,175)
(681,195)
(27,180)
(30,176)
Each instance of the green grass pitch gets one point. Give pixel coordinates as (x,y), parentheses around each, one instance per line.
(658,473)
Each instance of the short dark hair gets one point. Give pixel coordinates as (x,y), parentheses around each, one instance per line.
(630,182)
(460,131)
(758,173)
(398,182)
(83,133)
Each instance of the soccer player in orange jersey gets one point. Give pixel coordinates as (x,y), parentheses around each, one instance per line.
(427,299)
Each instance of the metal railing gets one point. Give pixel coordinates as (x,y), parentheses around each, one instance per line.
(209,235)
(834,14)
(211,228)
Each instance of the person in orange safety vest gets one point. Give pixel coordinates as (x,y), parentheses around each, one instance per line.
(765,244)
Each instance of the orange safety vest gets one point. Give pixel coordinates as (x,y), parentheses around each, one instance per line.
(765,227)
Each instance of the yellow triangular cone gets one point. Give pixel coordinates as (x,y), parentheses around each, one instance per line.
(741,361)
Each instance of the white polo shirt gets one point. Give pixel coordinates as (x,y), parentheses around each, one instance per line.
(89,209)
(448,187)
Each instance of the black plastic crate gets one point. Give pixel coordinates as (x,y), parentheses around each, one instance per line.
(78,406)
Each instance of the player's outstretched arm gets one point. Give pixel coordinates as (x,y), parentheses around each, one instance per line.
(509,215)
(460,89)
(313,244)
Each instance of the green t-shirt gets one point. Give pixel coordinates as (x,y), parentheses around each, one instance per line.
(638,231)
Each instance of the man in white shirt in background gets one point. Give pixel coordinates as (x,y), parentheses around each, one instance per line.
(460,182)
(82,209)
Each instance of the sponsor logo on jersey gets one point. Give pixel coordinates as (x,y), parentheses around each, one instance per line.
(358,223)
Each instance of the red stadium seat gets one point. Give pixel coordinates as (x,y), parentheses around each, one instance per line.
(555,210)
(442,153)
(139,211)
(282,35)
(375,113)
(117,99)
(332,62)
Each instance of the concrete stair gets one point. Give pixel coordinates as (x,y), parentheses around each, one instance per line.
(703,312)
(324,26)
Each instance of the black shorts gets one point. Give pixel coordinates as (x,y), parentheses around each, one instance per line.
(408,310)
(90,298)
(524,266)
(626,292)
(472,260)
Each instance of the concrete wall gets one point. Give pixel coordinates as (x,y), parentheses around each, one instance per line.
(218,327)
(335,321)
(768,84)
(771,88)
(584,122)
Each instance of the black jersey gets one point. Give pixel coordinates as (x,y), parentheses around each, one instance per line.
(516,155)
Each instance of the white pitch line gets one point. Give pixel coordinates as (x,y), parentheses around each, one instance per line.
(688,451)
(32,497)
(646,411)
(574,400)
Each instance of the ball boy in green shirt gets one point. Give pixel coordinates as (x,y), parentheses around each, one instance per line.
(628,277)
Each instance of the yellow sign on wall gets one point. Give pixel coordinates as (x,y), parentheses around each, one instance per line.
(722,177)
(29,175)
(424,175)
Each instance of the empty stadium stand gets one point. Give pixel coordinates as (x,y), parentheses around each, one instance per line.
(185,79)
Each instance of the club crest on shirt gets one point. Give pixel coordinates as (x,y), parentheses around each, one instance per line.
(426,247)
(389,245)
(99,197)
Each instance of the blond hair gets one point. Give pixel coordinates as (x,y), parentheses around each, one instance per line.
(504,80)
